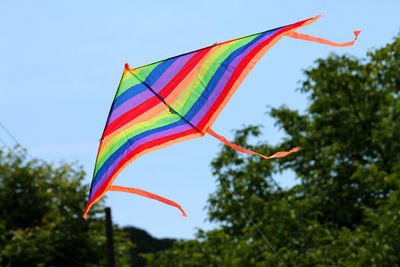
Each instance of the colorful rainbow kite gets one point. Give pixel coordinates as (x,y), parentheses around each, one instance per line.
(178,99)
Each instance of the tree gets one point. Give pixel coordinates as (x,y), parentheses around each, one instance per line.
(41,207)
(144,243)
(345,211)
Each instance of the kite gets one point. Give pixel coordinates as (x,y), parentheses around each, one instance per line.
(178,99)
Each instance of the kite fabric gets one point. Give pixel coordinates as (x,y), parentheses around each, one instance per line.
(178,99)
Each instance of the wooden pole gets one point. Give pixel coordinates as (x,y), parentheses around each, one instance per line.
(110,239)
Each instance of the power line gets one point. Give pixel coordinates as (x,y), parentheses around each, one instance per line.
(14,139)
(10,134)
(1,140)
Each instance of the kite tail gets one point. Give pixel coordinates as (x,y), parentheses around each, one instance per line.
(306,37)
(146,194)
(280,154)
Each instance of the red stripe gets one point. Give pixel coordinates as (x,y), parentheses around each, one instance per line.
(164,93)
(238,70)
(130,115)
(137,151)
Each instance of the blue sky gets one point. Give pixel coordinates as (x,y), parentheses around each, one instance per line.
(61,62)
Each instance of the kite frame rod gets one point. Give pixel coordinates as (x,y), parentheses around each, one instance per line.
(172,110)
(197,50)
(102,135)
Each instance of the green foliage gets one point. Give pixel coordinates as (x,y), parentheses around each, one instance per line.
(346,209)
(41,223)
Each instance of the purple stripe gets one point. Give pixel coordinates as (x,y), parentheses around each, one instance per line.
(223,81)
(142,141)
(164,79)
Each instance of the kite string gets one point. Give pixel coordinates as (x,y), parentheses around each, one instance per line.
(243,209)
(252,221)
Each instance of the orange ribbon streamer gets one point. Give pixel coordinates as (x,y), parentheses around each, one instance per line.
(280,154)
(146,194)
(306,37)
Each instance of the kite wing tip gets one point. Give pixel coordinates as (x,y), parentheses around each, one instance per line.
(127,66)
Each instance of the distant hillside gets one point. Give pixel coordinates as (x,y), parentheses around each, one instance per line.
(145,243)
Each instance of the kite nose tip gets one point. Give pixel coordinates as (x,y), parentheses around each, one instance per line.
(127,66)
